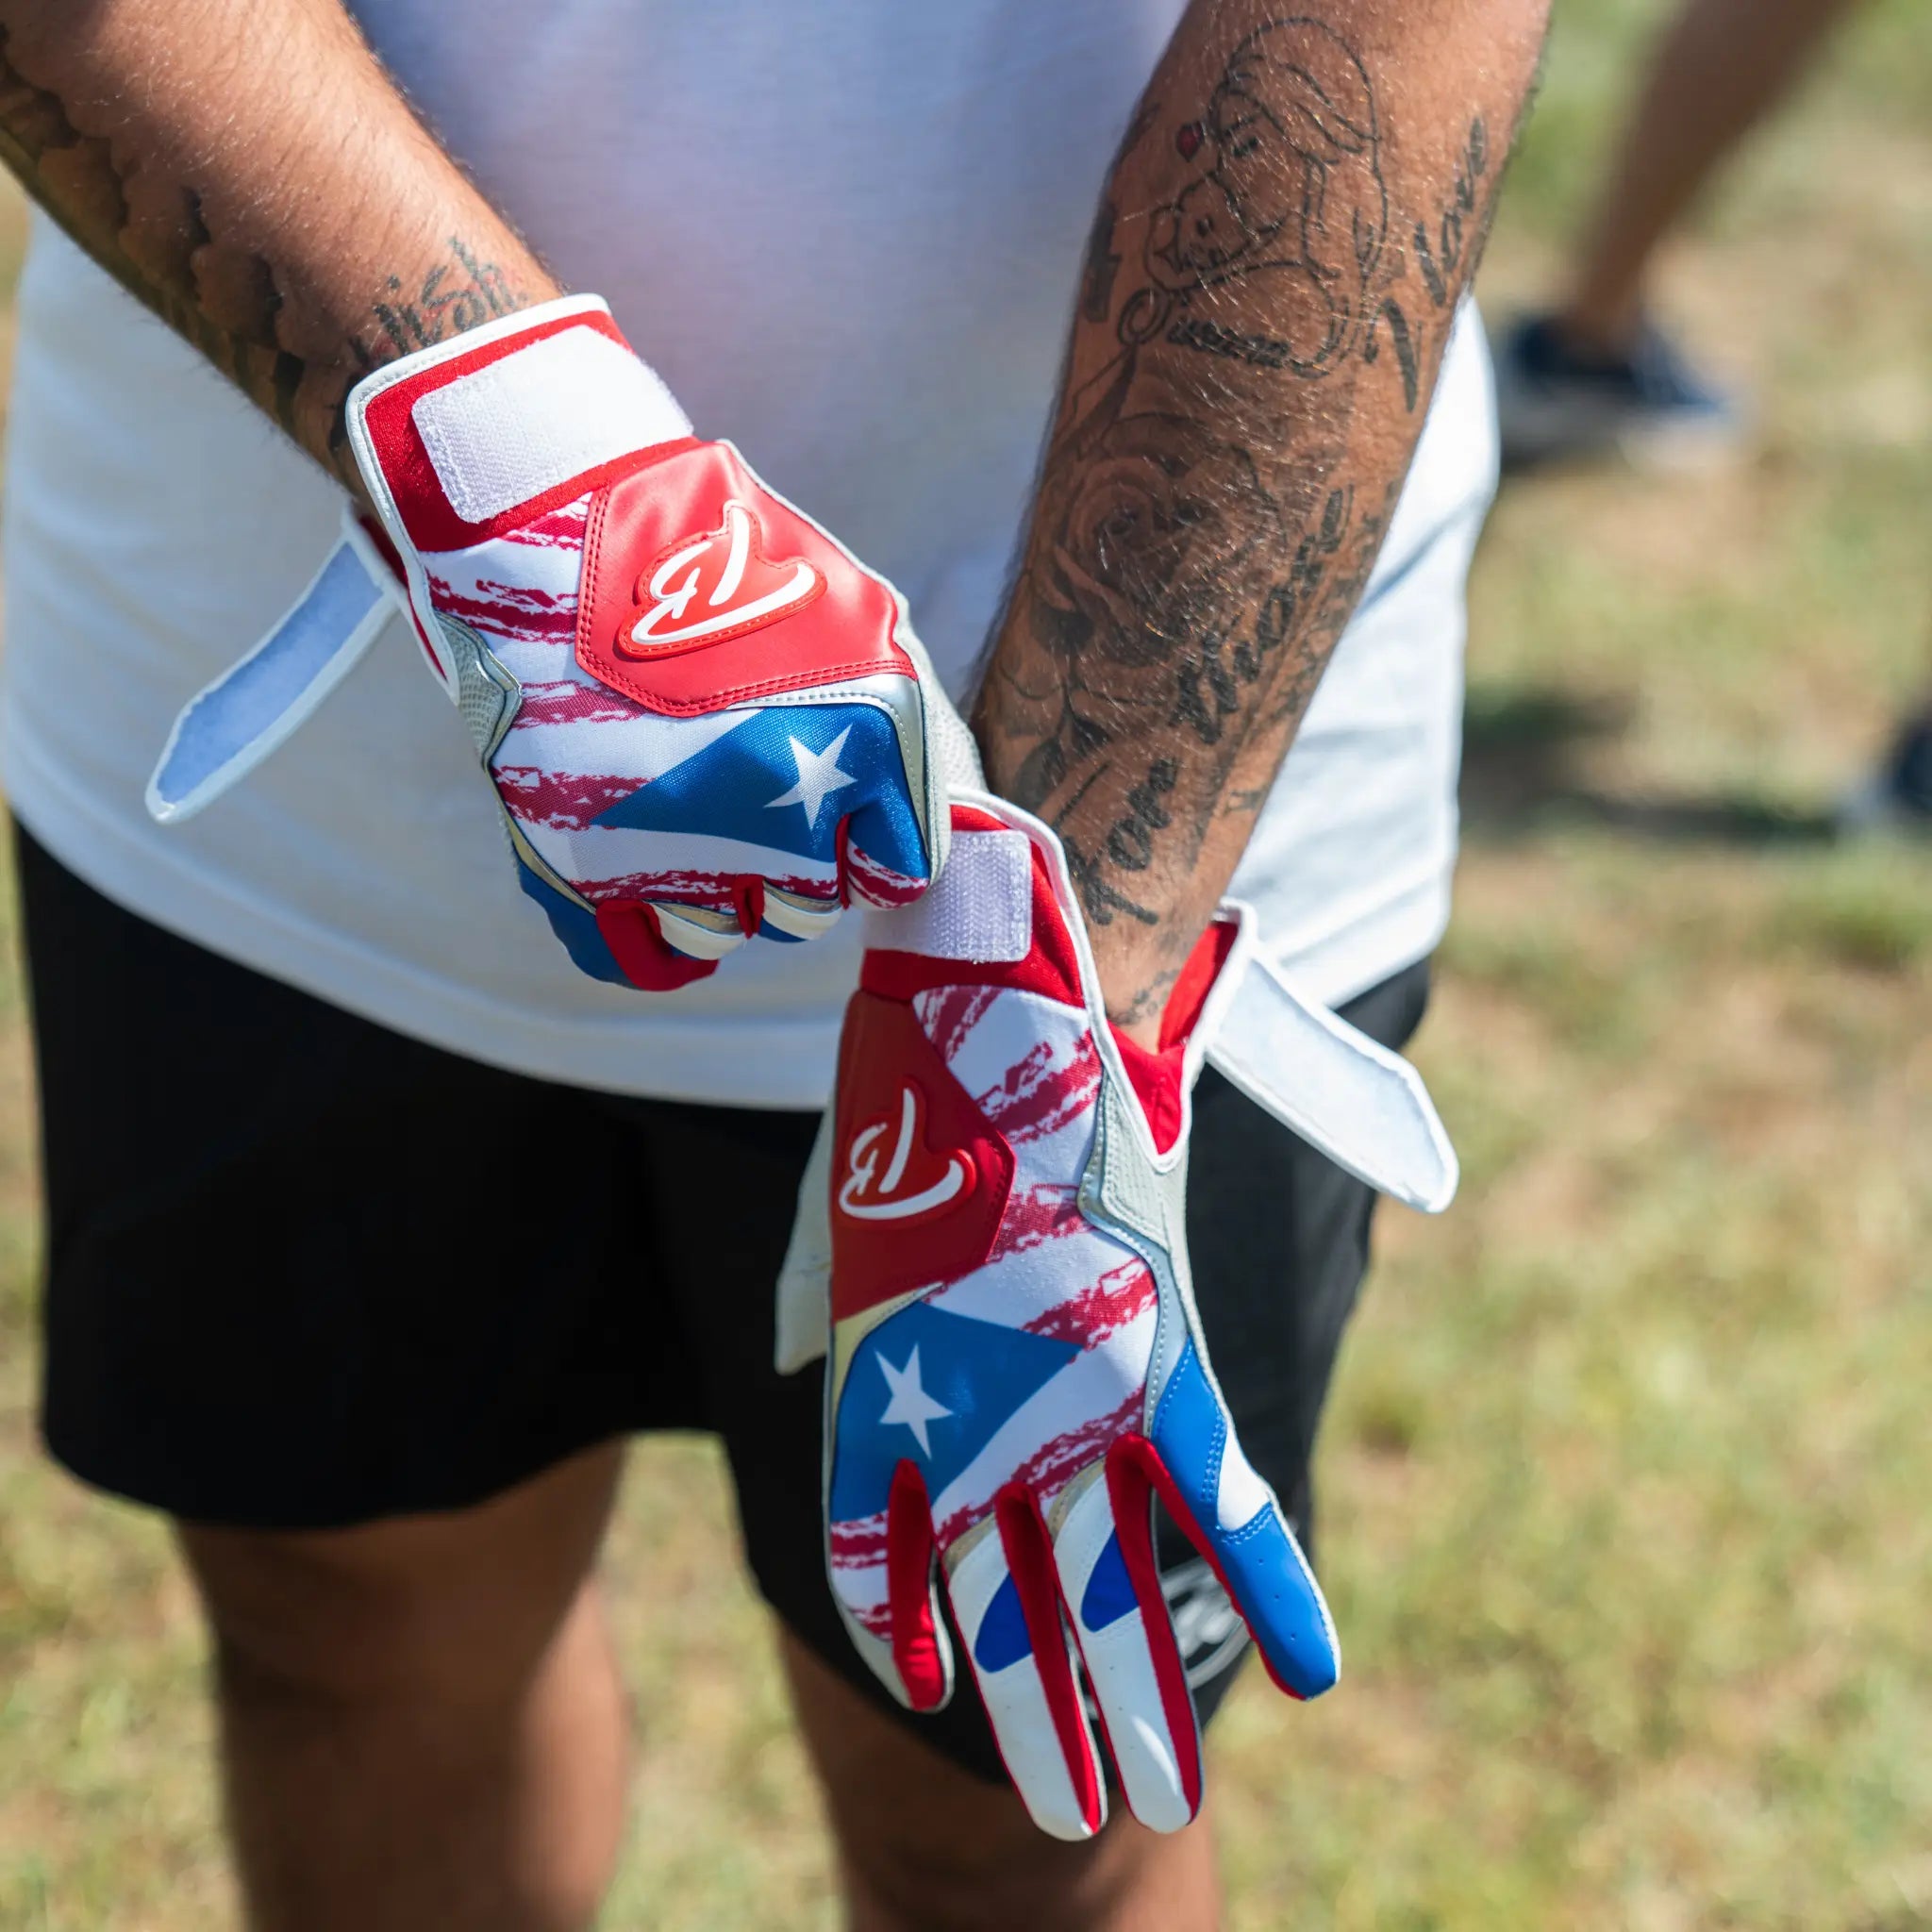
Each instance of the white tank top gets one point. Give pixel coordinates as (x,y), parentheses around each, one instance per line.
(848,237)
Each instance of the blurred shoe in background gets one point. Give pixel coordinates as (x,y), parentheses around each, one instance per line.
(1897,796)
(1589,374)
(1559,402)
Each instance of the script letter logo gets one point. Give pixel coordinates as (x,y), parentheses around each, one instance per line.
(717,585)
(868,1194)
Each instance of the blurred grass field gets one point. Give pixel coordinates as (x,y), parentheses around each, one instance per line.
(1627,1483)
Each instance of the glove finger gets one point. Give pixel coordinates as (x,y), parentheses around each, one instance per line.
(921,1651)
(1233,1519)
(1105,1554)
(883,1576)
(1007,1608)
(631,932)
(797,915)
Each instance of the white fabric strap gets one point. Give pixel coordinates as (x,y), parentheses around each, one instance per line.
(538,417)
(803,1292)
(1362,1106)
(231,726)
(980,911)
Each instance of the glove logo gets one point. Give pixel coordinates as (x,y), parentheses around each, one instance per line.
(867,1194)
(714,586)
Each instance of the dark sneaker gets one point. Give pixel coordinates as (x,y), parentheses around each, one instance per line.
(1897,797)
(1650,407)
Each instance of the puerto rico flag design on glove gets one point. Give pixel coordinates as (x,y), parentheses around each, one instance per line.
(1016,1366)
(704,720)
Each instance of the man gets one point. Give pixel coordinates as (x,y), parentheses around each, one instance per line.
(374,1229)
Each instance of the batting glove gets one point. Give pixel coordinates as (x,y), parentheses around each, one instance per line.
(1017,1366)
(704,718)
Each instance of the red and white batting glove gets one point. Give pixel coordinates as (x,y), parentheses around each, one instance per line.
(704,718)
(1017,1366)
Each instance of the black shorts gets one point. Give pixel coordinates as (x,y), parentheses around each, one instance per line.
(304,1271)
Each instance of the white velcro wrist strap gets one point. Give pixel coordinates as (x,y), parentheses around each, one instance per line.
(521,425)
(1347,1095)
(980,911)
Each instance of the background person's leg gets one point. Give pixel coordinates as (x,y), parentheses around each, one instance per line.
(1596,373)
(1720,68)
(926,1847)
(422,1723)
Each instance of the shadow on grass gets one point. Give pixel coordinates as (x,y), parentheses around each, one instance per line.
(1521,747)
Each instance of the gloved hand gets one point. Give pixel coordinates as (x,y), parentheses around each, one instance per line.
(1016,1364)
(704,718)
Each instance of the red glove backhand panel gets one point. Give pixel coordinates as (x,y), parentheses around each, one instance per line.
(790,610)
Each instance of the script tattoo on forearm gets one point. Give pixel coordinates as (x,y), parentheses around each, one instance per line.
(1441,264)
(1210,506)
(150,232)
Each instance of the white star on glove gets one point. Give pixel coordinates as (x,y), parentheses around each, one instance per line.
(818,774)
(910,1404)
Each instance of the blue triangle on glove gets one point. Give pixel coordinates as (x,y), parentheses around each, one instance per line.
(784,779)
(939,1410)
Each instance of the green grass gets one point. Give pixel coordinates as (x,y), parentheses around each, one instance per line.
(1625,1481)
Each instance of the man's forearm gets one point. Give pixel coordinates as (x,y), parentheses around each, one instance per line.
(1269,287)
(246,169)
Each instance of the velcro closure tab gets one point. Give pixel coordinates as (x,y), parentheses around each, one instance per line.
(1347,1095)
(980,911)
(256,705)
(527,422)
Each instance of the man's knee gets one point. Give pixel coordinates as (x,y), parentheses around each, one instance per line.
(449,1609)
(992,1870)
(927,1845)
(988,1880)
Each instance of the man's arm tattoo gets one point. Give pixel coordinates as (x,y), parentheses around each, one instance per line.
(1208,510)
(150,233)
